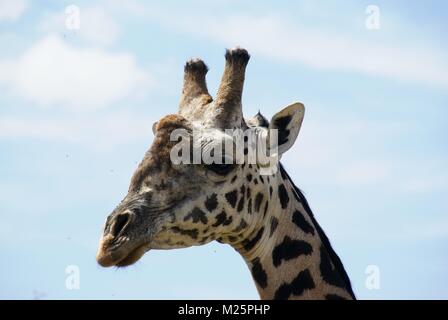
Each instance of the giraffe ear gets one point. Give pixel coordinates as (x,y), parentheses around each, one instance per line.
(154,127)
(287,123)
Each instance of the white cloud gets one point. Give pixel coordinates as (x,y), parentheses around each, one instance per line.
(428,184)
(98,131)
(346,153)
(434,229)
(361,173)
(428,175)
(54,73)
(277,37)
(354,153)
(96,27)
(335,139)
(11,10)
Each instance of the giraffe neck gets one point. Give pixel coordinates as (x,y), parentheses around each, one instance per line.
(289,255)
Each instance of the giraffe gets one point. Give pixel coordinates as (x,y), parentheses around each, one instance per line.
(265,218)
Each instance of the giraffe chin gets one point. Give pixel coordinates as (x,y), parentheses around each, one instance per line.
(133,256)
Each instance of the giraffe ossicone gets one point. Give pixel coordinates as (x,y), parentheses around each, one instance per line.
(233,198)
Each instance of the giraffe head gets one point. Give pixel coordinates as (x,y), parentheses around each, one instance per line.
(174,205)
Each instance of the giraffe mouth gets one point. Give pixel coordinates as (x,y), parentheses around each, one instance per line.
(120,256)
(133,256)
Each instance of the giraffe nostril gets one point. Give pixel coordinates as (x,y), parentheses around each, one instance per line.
(119,223)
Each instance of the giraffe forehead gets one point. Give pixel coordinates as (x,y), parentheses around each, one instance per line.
(200,131)
(167,131)
(158,155)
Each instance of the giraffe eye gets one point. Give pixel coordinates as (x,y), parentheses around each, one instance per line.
(221,169)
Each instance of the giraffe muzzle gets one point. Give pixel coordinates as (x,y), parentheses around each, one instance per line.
(122,256)
(117,247)
(130,229)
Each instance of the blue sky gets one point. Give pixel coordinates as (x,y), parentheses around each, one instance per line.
(77,106)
